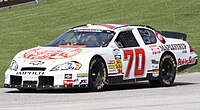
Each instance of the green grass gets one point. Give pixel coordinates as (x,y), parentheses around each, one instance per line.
(37,24)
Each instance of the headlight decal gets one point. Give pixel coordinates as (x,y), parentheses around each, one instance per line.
(13,65)
(72,65)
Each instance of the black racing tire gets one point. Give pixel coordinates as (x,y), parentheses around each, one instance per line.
(97,74)
(167,71)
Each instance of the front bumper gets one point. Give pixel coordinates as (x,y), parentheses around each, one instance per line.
(44,87)
(57,80)
(44,82)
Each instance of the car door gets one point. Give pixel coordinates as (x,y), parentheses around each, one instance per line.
(133,55)
(152,49)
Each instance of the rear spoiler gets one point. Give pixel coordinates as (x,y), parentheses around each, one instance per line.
(175,35)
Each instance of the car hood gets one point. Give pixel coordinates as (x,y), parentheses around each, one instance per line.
(51,53)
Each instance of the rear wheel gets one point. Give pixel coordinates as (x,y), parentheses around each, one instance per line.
(97,74)
(167,71)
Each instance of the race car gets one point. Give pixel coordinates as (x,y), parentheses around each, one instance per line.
(95,55)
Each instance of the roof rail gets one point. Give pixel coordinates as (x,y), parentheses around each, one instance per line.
(79,26)
(144,26)
(116,27)
(150,27)
(121,26)
(136,25)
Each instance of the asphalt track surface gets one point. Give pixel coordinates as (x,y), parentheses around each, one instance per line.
(183,95)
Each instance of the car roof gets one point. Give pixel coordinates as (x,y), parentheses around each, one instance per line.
(111,27)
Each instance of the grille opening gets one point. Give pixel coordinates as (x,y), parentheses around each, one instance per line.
(29,83)
(46,80)
(33,69)
(15,80)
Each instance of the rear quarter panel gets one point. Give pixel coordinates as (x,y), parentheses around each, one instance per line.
(179,48)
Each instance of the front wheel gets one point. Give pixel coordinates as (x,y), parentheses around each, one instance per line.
(167,71)
(97,74)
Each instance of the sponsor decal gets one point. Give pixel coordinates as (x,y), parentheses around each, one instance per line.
(82,75)
(118,57)
(190,60)
(118,64)
(173,47)
(119,71)
(29,73)
(36,63)
(79,82)
(67,82)
(72,46)
(155,72)
(154,61)
(51,53)
(113,66)
(155,49)
(160,38)
(112,70)
(68,76)
(88,30)
(74,82)
(155,68)
(75,65)
(116,52)
(184,51)
(83,81)
(111,62)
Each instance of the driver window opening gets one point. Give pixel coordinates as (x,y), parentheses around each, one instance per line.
(126,39)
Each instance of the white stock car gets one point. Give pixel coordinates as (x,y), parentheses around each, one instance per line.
(95,55)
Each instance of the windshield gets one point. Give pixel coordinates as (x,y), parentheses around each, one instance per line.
(89,38)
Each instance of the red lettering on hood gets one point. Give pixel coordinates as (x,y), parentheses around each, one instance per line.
(51,53)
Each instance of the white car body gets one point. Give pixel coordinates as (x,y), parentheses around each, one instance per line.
(33,68)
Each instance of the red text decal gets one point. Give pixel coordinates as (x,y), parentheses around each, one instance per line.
(128,55)
(139,62)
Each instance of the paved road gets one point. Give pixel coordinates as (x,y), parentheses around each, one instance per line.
(184,95)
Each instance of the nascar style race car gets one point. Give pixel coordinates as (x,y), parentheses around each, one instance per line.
(95,55)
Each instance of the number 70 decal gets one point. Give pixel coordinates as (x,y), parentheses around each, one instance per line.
(139,61)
